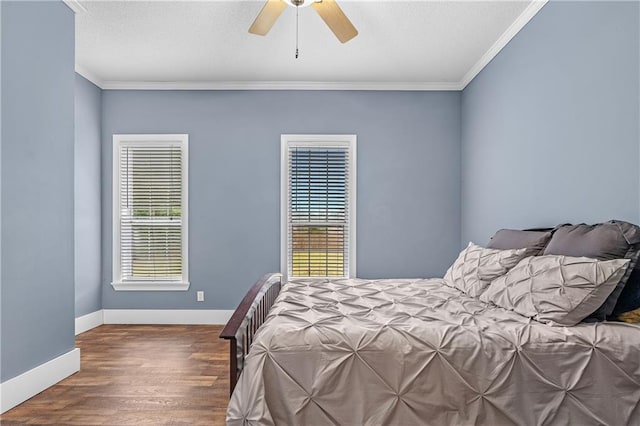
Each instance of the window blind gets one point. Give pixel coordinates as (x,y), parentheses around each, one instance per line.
(318,217)
(151,212)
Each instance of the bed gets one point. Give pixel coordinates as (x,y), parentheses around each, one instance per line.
(419,351)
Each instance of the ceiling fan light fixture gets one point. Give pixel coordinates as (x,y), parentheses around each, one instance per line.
(301,3)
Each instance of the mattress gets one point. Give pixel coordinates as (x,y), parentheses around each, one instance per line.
(415,351)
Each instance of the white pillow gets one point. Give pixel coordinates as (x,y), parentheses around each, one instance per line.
(476,267)
(559,290)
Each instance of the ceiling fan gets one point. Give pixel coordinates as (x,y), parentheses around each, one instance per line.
(328,10)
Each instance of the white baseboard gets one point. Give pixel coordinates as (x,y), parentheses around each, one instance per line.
(166,316)
(17,390)
(152,316)
(89,321)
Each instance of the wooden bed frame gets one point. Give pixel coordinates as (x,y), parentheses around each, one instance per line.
(246,320)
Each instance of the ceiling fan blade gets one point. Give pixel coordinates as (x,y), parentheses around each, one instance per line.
(267,17)
(335,19)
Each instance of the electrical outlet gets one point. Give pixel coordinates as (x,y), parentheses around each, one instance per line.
(200,296)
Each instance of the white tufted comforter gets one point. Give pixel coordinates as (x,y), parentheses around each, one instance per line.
(417,352)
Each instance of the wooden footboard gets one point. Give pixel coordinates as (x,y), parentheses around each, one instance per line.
(246,319)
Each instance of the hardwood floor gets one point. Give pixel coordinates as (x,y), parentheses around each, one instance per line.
(138,374)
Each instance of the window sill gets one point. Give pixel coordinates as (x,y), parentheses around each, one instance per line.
(150,286)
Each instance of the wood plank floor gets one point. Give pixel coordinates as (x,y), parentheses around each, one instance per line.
(138,374)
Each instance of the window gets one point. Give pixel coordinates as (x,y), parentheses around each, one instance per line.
(150,212)
(318,205)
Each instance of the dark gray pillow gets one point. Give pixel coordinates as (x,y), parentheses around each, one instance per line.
(603,241)
(533,241)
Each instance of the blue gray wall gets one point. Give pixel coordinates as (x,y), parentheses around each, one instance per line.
(550,127)
(87,183)
(37,184)
(408,205)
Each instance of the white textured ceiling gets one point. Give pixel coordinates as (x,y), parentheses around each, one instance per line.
(419,44)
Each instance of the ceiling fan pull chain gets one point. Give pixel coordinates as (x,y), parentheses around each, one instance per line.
(297,7)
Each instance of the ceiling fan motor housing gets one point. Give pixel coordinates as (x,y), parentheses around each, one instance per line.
(298,3)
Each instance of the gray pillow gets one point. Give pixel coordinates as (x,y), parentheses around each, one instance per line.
(559,290)
(603,241)
(533,241)
(477,266)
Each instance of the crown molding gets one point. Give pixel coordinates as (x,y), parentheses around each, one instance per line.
(90,76)
(522,20)
(275,85)
(75,5)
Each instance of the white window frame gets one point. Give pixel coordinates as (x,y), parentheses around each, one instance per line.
(316,141)
(150,285)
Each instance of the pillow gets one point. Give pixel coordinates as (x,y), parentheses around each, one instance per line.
(559,290)
(477,266)
(533,241)
(603,241)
